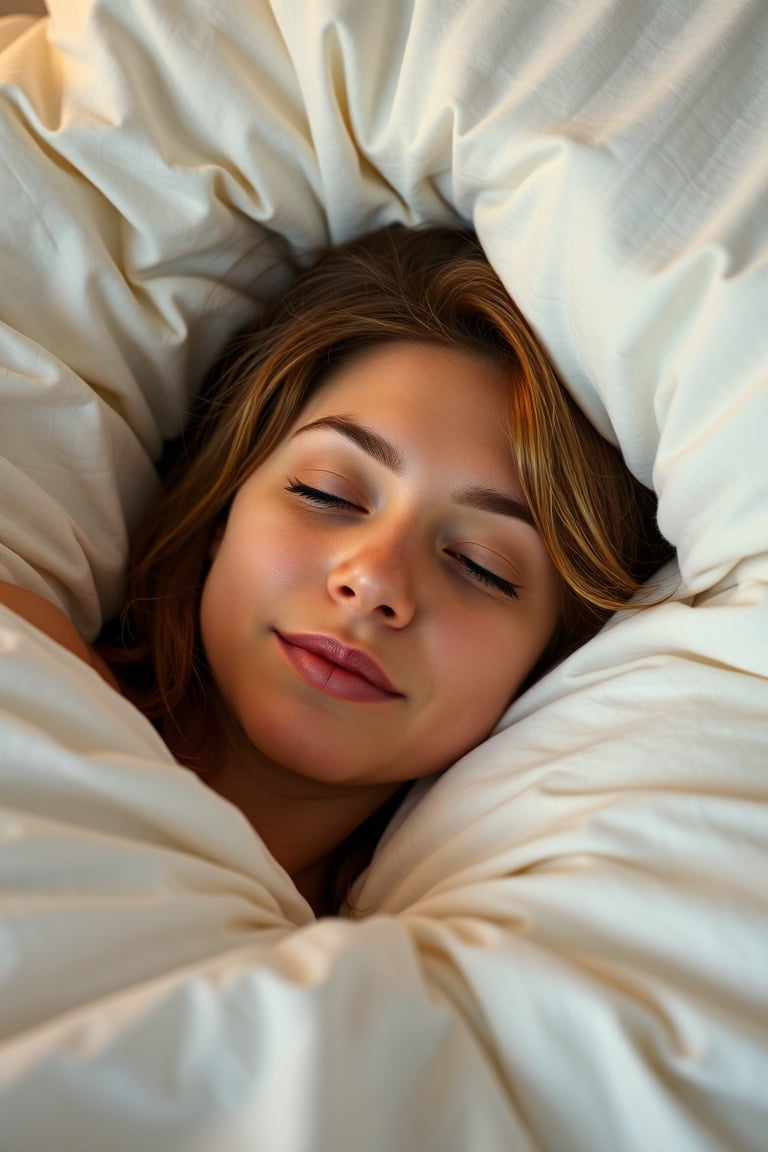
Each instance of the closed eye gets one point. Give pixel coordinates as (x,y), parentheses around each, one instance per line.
(321,498)
(475,571)
(485,577)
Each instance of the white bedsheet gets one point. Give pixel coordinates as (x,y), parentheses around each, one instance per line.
(567,933)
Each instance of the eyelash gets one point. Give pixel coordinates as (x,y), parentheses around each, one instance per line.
(483,576)
(328,500)
(323,499)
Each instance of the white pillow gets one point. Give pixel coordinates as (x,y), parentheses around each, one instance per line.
(573,921)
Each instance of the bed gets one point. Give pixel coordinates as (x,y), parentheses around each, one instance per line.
(562,942)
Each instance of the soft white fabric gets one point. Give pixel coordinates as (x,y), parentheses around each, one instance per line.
(567,934)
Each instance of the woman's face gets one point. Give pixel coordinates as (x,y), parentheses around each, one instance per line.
(378,593)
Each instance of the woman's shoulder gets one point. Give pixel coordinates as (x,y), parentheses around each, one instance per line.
(55,623)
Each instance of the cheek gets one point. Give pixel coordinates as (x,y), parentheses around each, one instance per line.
(250,569)
(473,680)
(477,670)
(481,665)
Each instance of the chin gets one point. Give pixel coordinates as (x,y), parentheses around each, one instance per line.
(312,756)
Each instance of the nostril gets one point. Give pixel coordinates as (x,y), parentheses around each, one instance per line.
(346,592)
(387,611)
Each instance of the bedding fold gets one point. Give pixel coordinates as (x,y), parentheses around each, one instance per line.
(560,943)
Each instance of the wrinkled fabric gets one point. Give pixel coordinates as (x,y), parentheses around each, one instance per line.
(561,943)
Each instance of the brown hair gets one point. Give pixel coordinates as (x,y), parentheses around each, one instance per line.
(431,285)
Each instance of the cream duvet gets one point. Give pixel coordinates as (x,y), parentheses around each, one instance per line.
(562,943)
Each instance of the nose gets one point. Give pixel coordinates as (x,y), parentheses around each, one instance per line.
(376,577)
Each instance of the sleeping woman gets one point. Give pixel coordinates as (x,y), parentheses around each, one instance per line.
(386,520)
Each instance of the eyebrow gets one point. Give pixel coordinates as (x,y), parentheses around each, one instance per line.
(382,450)
(489,500)
(371,442)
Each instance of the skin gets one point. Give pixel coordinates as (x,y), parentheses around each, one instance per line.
(326,539)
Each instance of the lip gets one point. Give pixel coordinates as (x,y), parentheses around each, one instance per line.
(331,666)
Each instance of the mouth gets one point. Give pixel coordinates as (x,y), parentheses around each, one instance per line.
(331,667)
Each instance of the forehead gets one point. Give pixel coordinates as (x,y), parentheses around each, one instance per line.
(409,390)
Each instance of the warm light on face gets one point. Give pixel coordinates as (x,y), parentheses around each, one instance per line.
(379,592)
